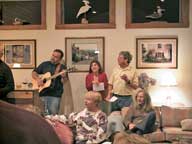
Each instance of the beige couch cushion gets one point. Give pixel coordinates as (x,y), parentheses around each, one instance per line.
(172,117)
(175,133)
(186,124)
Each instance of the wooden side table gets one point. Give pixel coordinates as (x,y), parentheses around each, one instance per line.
(21,96)
(25,98)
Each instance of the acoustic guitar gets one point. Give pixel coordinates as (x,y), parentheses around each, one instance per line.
(47,79)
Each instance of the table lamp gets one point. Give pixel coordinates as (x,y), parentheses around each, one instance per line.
(168,80)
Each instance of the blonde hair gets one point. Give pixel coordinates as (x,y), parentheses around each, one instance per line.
(95,96)
(147,101)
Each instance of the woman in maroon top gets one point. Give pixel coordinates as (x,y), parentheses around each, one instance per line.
(96,77)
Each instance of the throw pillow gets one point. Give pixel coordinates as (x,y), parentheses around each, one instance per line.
(186,124)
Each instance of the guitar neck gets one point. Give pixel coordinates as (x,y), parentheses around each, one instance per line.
(56,75)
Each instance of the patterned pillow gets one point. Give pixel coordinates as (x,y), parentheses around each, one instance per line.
(186,124)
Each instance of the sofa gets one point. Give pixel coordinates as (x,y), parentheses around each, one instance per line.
(173,125)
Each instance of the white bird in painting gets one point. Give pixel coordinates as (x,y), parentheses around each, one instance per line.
(157,14)
(84,8)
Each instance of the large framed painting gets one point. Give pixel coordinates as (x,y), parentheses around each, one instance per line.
(19,53)
(22,14)
(80,51)
(157,13)
(156,52)
(85,14)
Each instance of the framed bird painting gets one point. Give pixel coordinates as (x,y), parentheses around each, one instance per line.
(157,13)
(85,14)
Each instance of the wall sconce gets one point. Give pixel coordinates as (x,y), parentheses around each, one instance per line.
(168,80)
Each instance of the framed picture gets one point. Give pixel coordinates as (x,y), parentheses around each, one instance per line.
(22,14)
(81,51)
(156,52)
(157,13)
(19,53)
(85,14)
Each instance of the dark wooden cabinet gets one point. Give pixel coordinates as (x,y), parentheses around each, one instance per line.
(22,14)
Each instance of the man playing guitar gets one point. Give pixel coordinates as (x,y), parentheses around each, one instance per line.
(52,93)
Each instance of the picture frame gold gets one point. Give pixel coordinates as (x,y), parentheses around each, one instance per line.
(144,14)
(156,52)
(19,54)
(101,16)
(80,51)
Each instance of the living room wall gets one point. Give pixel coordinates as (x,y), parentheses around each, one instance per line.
(116,40)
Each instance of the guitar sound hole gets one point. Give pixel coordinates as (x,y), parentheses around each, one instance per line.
(44,80)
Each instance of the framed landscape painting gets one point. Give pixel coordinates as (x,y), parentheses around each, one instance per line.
(156,53)
(19,53)
(81,51)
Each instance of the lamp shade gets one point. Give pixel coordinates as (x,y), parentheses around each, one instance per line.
(168,79)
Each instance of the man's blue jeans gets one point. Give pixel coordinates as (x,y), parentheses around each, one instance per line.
(51,105)
(122,101)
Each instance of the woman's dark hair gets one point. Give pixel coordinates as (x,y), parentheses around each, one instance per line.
(98,63)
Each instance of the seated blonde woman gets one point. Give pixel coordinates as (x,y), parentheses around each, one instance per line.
(140,117)
(90,123)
